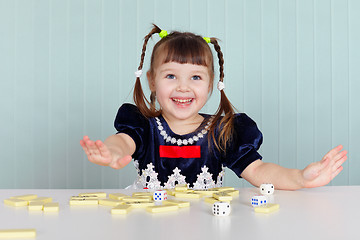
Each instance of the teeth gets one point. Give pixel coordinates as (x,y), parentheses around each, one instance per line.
(182,100)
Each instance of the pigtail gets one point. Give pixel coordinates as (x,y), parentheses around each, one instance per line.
(226,124)
(139,97)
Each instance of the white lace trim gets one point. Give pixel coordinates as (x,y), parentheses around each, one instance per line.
(147,178)
(180,142)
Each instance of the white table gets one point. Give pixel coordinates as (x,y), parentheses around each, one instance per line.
(321,213)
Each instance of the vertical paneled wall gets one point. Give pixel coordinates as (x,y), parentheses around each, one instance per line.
(66,66)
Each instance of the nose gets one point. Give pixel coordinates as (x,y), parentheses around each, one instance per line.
(182,85)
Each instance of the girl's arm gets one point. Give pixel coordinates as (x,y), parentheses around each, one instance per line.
(314,175)
(114,152)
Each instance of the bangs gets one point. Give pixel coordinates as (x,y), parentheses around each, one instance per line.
(187,49)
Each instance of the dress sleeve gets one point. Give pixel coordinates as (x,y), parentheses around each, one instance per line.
(243,148)
(130,121)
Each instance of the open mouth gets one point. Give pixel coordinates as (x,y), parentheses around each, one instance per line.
(182,101)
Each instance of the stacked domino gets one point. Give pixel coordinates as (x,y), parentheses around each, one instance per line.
(261,202)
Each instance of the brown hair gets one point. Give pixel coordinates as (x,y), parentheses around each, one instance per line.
(185,47)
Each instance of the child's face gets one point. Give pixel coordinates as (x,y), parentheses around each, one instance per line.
(181,89)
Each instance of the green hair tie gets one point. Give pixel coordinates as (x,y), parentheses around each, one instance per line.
(163,33)
(208,40)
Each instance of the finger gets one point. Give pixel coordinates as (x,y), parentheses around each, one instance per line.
(83,145)
(122,162)
(334,151)
(91,146)
(104,151)
(339,163)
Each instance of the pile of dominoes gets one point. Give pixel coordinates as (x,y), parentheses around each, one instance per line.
(261,202)
(155,201)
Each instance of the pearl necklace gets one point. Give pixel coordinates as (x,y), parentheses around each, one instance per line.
(180,142)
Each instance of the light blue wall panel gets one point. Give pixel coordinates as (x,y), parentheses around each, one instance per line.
(66,67)
(354,96)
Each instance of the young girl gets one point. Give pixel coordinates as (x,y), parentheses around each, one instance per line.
(172,143)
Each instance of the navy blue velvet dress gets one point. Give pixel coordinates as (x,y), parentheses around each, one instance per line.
(164,159)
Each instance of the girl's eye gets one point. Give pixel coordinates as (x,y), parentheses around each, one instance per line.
(196,77)
(170,76)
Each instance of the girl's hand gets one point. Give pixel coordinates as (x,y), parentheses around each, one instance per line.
(321,173)
(98,153)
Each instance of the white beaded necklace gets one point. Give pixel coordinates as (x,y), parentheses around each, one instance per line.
(180,142)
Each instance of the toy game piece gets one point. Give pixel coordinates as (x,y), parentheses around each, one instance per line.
(98,194)
(136,199)
(143,194)
(205,192)
(83,201)
(269,208)
(162,208)
(221,189)
(35,206)
(18,233)
(140,204)
(187,195)
(170,192)
(180,204)
(233,193)
(212,200)
(51,207)
(14,202)
(181,187)
(267,189)
(117,196)
(222,196)
(258,200)
(160,196)
(110,202)
(26,197)
(42,199)
(121,209)
(221,209)
(93,197)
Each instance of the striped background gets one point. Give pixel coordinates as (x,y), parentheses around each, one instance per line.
(67,65)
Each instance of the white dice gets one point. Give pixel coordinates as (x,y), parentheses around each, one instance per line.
(221,209)
(160,195)
(258,200)
(267,189)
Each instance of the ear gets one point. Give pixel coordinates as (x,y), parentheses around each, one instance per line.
(151,81)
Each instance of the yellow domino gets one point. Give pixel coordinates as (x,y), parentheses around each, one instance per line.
(98,194)
(15,202)
(26,197)
(51,207)
(220,189)
(221,196)
(233,193)
(181,187)
(162,208)
(110,202)
(205,192)
(180,204)
(42,199)
(270,207)
(187,195)
(35,206)
(212,200)
(140,204)
(18,233)
(117,196)
(136,199)
(91,197)
(121,209)
(84,201)
(170,192)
